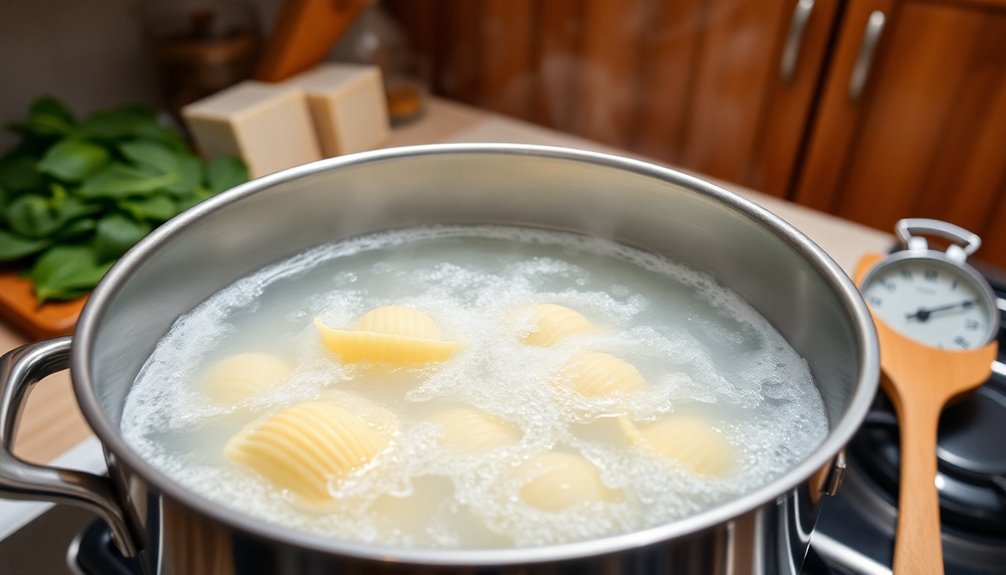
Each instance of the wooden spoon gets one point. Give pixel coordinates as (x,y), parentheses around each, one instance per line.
(920,380)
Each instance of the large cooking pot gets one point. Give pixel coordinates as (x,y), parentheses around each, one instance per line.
(174,531)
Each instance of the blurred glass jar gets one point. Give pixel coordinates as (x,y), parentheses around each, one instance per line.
(378,40)
(199,46)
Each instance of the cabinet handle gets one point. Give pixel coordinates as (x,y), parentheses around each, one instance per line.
(794,39)
(867,50)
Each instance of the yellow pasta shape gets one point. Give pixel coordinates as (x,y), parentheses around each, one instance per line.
(398,320)
(596,374)
(690,440)
(554,322)
(239,376)
(473,430)
(389,335)
(555,481)
(304,447)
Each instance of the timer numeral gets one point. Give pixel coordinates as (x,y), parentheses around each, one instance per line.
(891,286)
(875,300)
(972,324)
(930,275)
(906,274)
(953,285)
(959,340)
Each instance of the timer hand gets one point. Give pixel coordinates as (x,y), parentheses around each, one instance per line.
(923,314)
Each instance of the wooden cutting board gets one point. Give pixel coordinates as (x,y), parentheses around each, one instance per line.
(20,309)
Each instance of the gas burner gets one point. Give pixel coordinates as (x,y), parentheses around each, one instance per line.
(855,533)
(971,476)
(93,552)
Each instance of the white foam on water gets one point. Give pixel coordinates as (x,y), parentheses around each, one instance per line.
(700,348)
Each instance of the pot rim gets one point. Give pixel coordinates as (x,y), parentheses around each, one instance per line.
(113,442)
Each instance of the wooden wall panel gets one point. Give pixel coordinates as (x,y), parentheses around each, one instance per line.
(916,83)
(457,54)
(965,175)
(993,234)
(607,90)
(836,121)
(737,56)
(670,44)
(684,82)
(789,108)
(926,139)
(420,19)
(560,32)
(508,49)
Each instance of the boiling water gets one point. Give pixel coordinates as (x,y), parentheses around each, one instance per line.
(701,349)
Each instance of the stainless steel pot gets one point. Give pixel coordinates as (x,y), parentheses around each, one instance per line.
(801,291)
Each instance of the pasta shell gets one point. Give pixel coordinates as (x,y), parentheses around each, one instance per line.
(398,320)
(304,447)
(380,348)
(596,374)
(690,440)
(473,430)
(554,322)
(556,480)
(240,376)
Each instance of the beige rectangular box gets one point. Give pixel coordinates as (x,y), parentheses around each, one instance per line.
(269,126)
(348,106)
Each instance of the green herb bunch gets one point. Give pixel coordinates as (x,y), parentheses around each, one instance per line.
(76,194)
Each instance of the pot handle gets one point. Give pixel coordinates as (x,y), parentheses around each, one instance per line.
(20,369)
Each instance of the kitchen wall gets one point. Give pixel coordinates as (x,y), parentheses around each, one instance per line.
(88,53)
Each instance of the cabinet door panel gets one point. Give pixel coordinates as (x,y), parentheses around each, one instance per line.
(927,134)
(695,83)
(737,66)
(671,45)
(508,77)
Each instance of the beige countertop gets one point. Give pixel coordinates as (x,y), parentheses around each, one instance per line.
(52,424)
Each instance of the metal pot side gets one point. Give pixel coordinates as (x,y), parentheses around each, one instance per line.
(787,278)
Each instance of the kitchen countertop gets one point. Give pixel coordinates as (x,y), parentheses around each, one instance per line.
(51,424)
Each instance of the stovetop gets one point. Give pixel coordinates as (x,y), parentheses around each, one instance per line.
(854,535)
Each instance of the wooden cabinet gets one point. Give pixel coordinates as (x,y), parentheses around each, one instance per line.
(925,133)
(757,93)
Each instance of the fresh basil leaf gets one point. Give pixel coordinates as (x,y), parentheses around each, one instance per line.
(66,271)
(201,193)
(59,195)
(18,174)
(48,116)
(150,156)
(116,234)
(118,123)
(225,173)
(30,216)
(162,134)
(190,175)
(76,230)
(14,247)
(156,208)
(34,216)
(73,160)
(71,208)
(121,181)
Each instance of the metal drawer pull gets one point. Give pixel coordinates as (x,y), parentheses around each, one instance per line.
(794,39)
(864,62)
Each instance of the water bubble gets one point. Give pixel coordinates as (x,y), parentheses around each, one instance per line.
(700,348)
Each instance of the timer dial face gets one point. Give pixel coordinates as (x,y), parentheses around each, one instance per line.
(932,302)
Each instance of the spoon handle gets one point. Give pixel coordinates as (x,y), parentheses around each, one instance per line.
(918,548)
